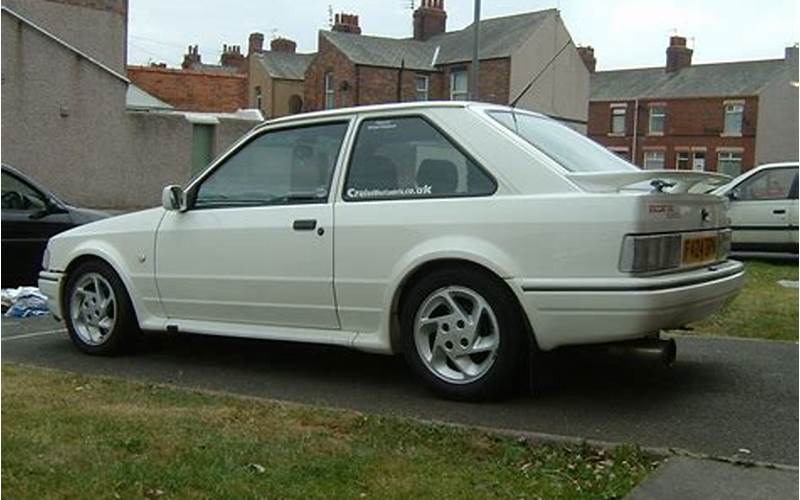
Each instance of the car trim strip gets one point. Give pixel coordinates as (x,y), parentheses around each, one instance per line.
(635,288)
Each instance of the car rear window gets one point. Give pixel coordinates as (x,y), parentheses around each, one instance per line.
(407,157)
(571,150)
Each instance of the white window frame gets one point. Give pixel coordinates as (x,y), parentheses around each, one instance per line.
(732,109)
(688,159)
(330,91)
(459,95)
(730,155)
(421,93)
(650,153)
(618,110)
(259,97)
(657,111)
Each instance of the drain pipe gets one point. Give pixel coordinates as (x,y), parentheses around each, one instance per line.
(635,130)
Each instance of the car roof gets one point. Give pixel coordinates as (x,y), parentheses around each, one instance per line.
(421,105)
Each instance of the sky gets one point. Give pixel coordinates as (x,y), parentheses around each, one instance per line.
(624,33)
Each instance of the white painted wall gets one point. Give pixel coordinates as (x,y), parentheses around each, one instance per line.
(563,89)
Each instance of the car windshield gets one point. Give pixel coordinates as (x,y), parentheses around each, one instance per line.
(568,148)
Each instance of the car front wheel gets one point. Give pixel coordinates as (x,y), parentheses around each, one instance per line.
(100,317)
(463,334)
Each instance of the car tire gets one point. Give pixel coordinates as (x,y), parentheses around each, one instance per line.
(458,355)
(98,311)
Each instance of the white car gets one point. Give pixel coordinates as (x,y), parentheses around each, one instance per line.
(469,237)
(763,208)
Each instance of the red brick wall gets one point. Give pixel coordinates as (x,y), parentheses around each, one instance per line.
(192,90)
(329,59)
(690,122)
(374,85)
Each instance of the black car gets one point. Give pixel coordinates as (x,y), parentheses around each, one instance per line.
(30,216)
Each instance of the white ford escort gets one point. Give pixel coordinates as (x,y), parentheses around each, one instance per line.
(467,236)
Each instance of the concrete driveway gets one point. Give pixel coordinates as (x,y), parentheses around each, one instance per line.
(724,397)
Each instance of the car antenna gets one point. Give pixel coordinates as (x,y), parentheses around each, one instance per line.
(513,103)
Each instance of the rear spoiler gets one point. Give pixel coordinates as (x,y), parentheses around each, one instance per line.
(670,181)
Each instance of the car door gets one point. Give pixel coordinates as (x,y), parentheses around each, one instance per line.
(28,221)
(255,245)
(760,210)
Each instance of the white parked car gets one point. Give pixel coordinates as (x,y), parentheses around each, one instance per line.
(469,237)
(763,208)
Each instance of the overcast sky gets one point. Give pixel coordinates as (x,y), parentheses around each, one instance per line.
(624,33)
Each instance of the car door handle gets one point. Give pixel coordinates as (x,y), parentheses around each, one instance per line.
(779,212)
(304,225)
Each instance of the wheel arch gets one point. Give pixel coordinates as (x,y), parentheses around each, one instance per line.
(82,257)
(421,269)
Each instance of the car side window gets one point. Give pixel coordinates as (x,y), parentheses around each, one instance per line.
(19,195)
(772,184)
(407,157)
(280,167)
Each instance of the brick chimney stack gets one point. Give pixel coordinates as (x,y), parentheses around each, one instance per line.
(679,56)
(587,55)
(430,19)
(283,45)
(232,57)
(191,57)
(255,43)
(346,23)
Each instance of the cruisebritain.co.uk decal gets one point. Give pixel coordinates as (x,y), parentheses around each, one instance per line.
(354,193)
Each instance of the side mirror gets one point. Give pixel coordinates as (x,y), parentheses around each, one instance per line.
(733,194)
(173,198)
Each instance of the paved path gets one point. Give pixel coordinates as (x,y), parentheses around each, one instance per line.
(692,479)
(724,397)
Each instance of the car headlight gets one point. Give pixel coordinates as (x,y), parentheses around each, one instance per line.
(46,259)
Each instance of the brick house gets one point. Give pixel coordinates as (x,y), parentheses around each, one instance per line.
(724,117)
(353,69)
(197,86)
(276,76)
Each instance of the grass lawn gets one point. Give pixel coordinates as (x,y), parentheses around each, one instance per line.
(71,436)
(763,309)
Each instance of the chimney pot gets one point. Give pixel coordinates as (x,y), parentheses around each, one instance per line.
(679,56)
(430,19)
(347,23)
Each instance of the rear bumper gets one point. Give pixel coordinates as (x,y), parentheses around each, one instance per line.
(50,286)
(572,312)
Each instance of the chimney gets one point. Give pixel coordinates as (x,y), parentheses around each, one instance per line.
(191,57)
(790,55)
(232,57)
(283,45)
(346,23)
(430,19)
(255,43)
(679,56)
(587,55)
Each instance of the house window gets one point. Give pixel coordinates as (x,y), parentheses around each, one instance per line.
(618,120)
(458,85)
(653,160)
(730,163)
(421,82)
(682,160)
(258,97)
(698,160)
(330,93)
(733,119)
(657,118)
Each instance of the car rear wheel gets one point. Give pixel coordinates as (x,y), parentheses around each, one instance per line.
(99,314)
(463,335)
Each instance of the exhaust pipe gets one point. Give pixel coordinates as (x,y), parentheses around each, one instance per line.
(664,350)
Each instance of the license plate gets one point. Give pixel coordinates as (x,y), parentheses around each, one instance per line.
(699,250)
